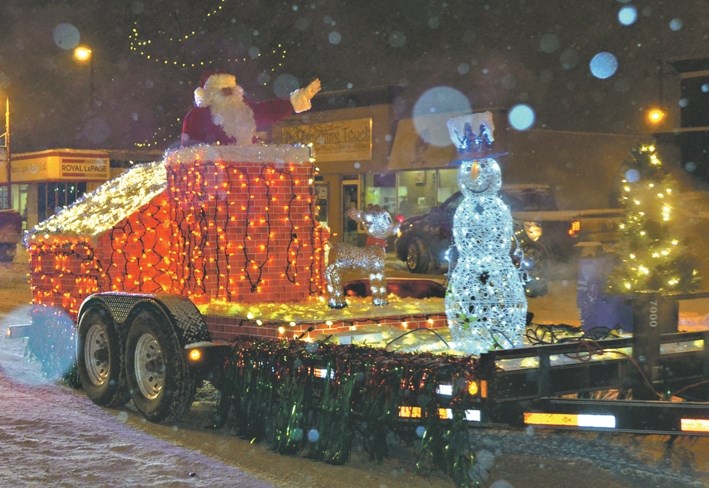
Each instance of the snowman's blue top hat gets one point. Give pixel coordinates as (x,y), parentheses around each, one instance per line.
(472,135)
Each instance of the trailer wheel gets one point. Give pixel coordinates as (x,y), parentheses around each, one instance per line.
(100,358)
(161,384)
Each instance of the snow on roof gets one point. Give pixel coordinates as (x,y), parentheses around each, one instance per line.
(106,206)
(272,153)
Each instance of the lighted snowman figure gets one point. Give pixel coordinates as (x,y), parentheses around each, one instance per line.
(485,301)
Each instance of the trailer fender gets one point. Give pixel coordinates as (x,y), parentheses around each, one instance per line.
(186,320)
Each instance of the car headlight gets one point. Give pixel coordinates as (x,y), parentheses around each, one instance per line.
(533,230)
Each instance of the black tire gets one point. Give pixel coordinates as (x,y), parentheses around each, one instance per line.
(418,257)
(161,384)
(400,247)
(100,359)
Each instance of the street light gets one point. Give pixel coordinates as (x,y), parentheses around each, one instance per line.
(84,54)
(655,116)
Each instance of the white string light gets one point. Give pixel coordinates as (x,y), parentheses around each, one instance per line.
(145,47)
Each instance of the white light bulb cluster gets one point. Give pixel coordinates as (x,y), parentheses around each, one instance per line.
(485,302)
(112,202)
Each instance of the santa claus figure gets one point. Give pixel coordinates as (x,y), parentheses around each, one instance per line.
(223,116)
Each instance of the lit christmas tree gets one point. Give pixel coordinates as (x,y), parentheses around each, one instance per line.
(651,251)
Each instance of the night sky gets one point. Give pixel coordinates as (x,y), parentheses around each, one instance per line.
(149,55)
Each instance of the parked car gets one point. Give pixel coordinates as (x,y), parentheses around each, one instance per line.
(424,241)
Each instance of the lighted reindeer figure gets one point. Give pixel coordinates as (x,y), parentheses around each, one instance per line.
(345,258)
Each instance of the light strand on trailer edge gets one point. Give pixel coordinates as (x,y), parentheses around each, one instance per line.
(351,325)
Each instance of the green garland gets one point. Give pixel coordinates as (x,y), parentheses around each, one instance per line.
(271,393)
(320,399)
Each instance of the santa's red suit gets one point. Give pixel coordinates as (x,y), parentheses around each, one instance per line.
(223,116)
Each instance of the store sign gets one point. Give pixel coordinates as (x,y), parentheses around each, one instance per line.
(84,169)
(60,166)
(342,140)
(29,170)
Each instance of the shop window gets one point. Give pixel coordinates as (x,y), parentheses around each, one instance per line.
(350,199)
(417,192)
(52,197)
(380,189)
(385,180)
(448,184)
(695,102)
(19,202)
(322,195)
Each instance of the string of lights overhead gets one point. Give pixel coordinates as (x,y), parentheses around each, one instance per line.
(149,48)
(142,47)
(162,136)
(170,49)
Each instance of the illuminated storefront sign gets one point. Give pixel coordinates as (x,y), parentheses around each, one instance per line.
(63,165)
(342,140)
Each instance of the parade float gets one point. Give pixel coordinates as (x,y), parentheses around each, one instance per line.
(209,265)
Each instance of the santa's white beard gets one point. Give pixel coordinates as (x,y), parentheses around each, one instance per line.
(235,117)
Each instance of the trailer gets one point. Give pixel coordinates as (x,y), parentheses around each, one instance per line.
(599,385)
(149,281)
(653,381)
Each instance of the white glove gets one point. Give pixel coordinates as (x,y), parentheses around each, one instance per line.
(300,98)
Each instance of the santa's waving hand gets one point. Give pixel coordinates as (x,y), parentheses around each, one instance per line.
(223,116)
(300,98)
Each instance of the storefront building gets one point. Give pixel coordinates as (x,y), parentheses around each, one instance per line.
(369,155)
(351,133)
(43,182)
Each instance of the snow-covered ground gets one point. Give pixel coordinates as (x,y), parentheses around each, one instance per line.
(54,436)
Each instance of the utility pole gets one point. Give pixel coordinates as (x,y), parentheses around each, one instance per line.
(6,147)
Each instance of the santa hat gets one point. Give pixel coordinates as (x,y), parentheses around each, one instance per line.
(210,83)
